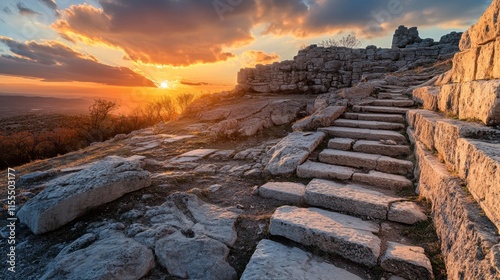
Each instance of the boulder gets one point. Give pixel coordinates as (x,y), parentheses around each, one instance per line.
(191,256)
(291,151)
(321,118)
(109,256)
(70,196)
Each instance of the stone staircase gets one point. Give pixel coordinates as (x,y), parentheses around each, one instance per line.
(355,187)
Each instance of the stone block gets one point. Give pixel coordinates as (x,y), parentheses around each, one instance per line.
(485,62)
(409,262)
(480,100)
(465,65)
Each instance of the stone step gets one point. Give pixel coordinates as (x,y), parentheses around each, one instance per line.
(366,161)
(409,262)
(272,260)
(375,117)
(375,147)
(368,124)
(363,133)
(388,95)
(311,169)
(380,109)
(346,236)
(393,102)
(383,180)
(378,179)
(360,200)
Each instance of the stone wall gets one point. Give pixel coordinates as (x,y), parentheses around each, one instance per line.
(471,90)
(319,70)
(458,161)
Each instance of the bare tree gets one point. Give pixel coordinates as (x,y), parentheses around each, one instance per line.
(99,112)
(183,100)
(349,41)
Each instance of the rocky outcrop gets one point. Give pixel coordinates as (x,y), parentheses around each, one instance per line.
(319,70)
(471,90)
(190,238)
(109,255)
(70,196)
(293,150)
(458,162)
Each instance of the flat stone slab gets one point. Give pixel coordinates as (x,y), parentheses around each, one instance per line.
(272,260)
(409,262)
(375,147)
(72,195)
(406,212)
(193,155)
(311,169)
(383,180)
(369,161)
(380,109)
(344,144)
(393,103)
(375,117)
(284,191)
(353,199)
(362,133)
(292,151)
(175,138)
(368,124)
(349,237)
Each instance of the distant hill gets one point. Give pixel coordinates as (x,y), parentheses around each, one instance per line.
(15,105)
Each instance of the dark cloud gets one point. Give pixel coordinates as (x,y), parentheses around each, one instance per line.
(25,11)
(7,10)
(188,32)
(190,83)
(50,3)
(55,62)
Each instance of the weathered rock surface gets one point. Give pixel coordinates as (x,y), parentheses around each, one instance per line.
(272,260)
(321,118)
(409,262)
(291,151)
(186,212)
(346,236)
(109,256)
(194,257)
(284,191)
(468,238)
(70,196)
(349,198)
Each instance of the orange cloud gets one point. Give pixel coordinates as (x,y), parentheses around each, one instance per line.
(250,58)
(159,32)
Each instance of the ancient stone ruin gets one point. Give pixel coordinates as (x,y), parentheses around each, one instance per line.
(319,70)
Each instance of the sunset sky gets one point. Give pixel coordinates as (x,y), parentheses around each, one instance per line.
(129,49)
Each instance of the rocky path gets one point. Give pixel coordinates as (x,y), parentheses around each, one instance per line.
(355,202)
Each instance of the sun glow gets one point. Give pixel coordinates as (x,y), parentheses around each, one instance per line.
(164,85)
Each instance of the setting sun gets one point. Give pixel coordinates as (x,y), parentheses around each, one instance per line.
(164,84)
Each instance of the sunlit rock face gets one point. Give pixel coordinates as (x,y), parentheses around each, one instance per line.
(471,90)
(319,70)
(457,144)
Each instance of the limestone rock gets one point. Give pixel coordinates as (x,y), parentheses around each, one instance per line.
(321,118)
(272,260)
(72,195)
(291,151)
(188,255)
(406,212)
(409,262)
(284,191)
(111,256)
(332,232)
